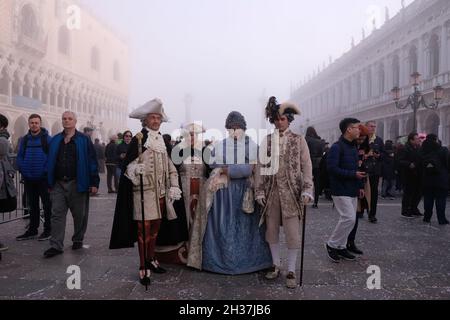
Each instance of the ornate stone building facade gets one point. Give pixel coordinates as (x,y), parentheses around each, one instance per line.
(47,67)
(359,83)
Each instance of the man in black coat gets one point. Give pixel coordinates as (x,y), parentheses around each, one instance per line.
(316,150)
(169,232)
(411,175)
(376,154)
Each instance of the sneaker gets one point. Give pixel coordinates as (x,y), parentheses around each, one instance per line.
(291,281)
(77,246)
(46,235)
(353,248)
(426,220)
(50,253)
(444,223)
(344,254)
(373,220)
(407,215)
(315,206)
(273,273)
(3,247)
(332,254)
(27,236)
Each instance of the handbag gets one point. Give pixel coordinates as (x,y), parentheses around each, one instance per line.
(8,205)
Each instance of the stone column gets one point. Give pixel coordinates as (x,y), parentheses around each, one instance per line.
(444,50)
(385,130)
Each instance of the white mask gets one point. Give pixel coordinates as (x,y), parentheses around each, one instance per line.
(236,133)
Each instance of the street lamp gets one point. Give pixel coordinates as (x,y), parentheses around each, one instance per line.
(416,99)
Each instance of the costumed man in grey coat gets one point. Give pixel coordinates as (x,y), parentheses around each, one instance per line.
(284,184)
(160,186)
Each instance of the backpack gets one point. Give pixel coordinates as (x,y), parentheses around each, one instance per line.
(432,164)
(44,144)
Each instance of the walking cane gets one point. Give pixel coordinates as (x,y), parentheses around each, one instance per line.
(303,246)
(146,279)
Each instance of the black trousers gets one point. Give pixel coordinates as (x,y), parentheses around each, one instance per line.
(436,196)
(374,183)
(412,193)
(316,177)
(36,190)
(111,176)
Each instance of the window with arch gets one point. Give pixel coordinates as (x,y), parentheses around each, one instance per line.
(396,71)
(434,55)
(116,71)
(95,59)
(64,40)
(413,60)
(28,23)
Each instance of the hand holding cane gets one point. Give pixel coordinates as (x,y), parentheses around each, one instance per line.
(146,280)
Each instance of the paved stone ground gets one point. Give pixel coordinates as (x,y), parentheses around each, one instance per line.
(413,258)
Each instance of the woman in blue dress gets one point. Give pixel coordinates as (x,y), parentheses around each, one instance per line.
(233,242)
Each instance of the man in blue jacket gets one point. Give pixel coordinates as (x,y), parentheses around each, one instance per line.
(72,175)
(32,164)
(346,185)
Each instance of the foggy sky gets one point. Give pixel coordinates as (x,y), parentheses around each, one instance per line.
(226,52)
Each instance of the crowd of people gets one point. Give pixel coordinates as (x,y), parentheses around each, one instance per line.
(219,207)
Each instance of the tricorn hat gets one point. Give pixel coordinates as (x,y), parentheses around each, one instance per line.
(153,106)
(194,127)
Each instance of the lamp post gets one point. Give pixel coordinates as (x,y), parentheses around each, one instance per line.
(416,99)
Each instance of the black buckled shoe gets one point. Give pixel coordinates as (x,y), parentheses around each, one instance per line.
(144,276)
(155,267)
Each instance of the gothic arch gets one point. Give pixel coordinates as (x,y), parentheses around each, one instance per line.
(20,128)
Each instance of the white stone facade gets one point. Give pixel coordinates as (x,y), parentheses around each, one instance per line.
(47,68)
(359,83)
